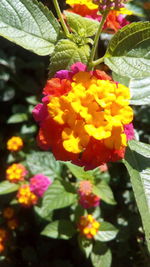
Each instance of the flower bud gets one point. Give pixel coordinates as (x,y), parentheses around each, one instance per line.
(110,4)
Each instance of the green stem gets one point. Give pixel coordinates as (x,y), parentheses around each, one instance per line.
(97,62)
(96,39)
(59,14)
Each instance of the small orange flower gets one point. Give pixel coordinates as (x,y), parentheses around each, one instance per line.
(3,238)
(88,226)
(16,173)
(15,143)
(3,235)
(146,5)
(103,167)
(85,187)
(8,213)
(12,224)
(2,247)
(26,197)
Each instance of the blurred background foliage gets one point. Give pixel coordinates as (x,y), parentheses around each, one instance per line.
(22,77)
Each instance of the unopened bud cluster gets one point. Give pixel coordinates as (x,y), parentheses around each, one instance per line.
(110,4)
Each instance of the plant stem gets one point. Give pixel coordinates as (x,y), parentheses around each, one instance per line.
(97,62)
(96,39)
(59,14)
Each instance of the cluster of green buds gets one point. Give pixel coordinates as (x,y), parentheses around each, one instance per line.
(110,4)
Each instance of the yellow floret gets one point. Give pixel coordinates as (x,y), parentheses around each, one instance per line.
(15,173)
(87,3)
(26,197)
(88,226)
(15,143)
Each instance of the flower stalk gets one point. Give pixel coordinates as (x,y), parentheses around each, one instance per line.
(96,39)
(59,14)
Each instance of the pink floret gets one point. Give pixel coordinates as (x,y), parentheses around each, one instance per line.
(39,184)
(63,74)
(39,112)
(67,74)
(89,201)
(129,131)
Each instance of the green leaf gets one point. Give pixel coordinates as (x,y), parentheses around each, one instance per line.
(104,191)
(25,129)
(32,100)
(128,51)
(139,88)
(45,163)
(137,161)
(29,24)
(106,232)
(86,245)
(84,27)
(79,172)
(136,9)
(56,197)
(67,53)
(61,229)
(7,187)
(101,255)
(7,94)
(140,91)
(17,118)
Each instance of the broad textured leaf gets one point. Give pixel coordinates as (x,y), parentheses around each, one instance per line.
(101,255)
(45,163)
(56,197)
(7,187)
(128,51)
(137,161)
(67,53)
(106,232)
(104,191)
(29,24)
(84,27)
(86,245)
(61,229)
(140,91)
(139,88)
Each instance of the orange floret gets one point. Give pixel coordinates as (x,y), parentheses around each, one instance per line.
(85,187)
(12,224)
(26,197)
(8,213)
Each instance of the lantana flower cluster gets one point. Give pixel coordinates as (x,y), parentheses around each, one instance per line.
(10,217)
(115,19)
(84,117)
(86,197)
(28,193)
(88,226)
(14,144)
(16,173)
